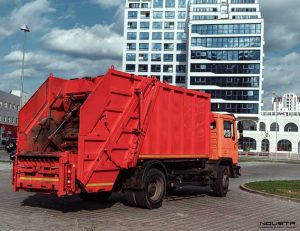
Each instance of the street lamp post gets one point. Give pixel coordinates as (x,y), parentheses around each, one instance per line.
(25,29)
(277,127)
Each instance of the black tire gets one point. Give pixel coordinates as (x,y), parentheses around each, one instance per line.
(100,196)
(129,196)
(153,194)
(221,184)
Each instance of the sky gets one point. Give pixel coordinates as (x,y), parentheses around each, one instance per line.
(74,38)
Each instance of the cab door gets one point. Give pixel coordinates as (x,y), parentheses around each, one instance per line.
(229,139)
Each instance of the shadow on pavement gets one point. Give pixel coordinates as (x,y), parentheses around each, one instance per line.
(68,204)
(188,192)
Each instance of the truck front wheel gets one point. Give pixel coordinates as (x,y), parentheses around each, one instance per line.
(154,192)
(221,184)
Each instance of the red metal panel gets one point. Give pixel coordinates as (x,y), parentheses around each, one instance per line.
(179,125)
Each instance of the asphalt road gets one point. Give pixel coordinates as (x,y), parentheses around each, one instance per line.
(188,209)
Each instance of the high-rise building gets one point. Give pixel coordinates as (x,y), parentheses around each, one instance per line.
(210,45)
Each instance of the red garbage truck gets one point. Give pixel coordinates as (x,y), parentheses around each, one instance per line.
(122,132)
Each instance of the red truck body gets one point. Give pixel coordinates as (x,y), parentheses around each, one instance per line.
(83,134)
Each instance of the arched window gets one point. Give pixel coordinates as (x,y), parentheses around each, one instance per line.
(299,147)
(262,127)
(265,145)
(274,127)
(284,145)
(249,125)
(291,127)
(248,143)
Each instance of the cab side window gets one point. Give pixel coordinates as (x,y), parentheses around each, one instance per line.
(228,129)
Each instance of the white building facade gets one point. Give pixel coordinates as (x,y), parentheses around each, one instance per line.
(210,45)
(277,130)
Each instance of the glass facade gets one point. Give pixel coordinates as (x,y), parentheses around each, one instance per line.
(234,81)
(236,108)
(227,42)
(228,55)
(236,95)
(242,28)
(227,68)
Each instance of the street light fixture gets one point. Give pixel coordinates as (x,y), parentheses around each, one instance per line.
(25,29)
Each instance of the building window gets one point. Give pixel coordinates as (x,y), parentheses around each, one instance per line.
(265,145)
(144,46)
(130,57)
(131,46)
(132,14)
(143,57)
(155,68)
(180,79)
(0,104)
(181,58)
(134,5)
(156,57)
(168,46)
(243,28)
(158,3)
(170,15)
(156,46)
(291,127)
(168,68)
(156,35)
(181,14)
(226,42)
(168,57)
(249,125)
(130,67)
(131,35)
(143,68)
(169,25)
(157,14)
(182,3)
(235,55)
(145,5)
(132,25)
(157,25)
(144,36)
(284,145)
(170,3)
(181,36)
(180,68)
(167,78)
(249,143)
(169,35)
(228,68)
(144,25)
(274,127)
(5,104)
(181,25)
(181,47)
(262,127)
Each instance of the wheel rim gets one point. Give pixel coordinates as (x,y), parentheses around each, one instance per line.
(155,189)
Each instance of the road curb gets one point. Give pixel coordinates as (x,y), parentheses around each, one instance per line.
(243,187)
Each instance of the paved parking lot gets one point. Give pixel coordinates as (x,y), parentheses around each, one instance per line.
(184,211)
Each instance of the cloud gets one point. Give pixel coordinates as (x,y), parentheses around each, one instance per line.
(96,42)
(39,64)
(281,76)
(32,13)
(108,3)
(282,28)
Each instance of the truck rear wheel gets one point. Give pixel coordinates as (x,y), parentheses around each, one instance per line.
(154,192)
(221,184)
(100,196)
